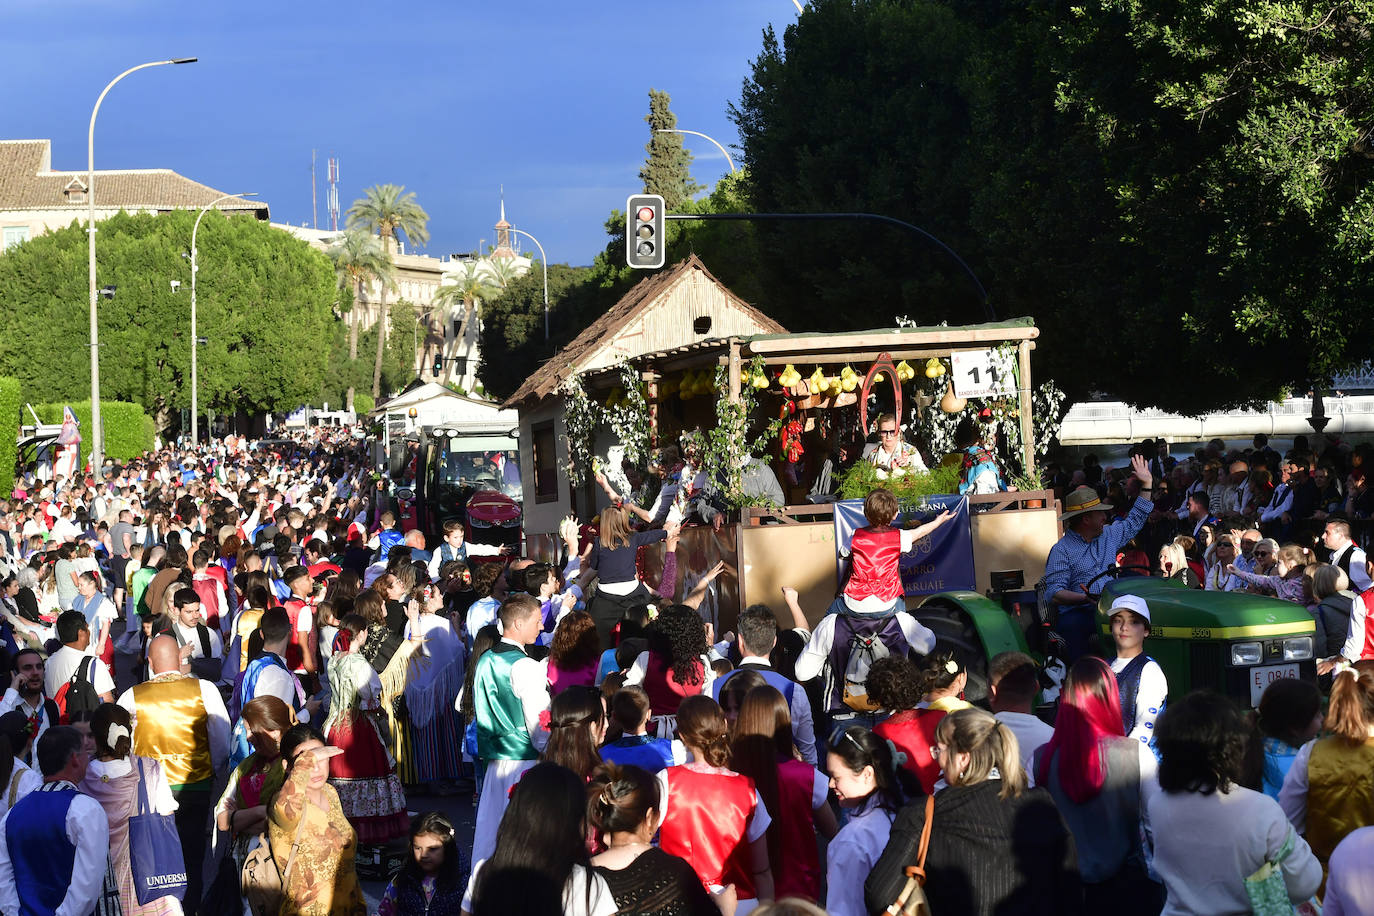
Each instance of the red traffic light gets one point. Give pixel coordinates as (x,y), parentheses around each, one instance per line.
(645,214)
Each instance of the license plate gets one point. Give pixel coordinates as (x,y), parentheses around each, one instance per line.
(1261,678)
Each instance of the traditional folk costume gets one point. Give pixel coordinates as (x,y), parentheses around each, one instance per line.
(114,783)
(364,776)
(798,871)
(323,880)
(250,784)
(432,683)
(56,842)
(709,816)
(1340,793)
(510,691)
(389,654)
(912,731)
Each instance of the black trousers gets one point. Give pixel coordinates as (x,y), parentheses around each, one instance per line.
(607,609)
(193,828)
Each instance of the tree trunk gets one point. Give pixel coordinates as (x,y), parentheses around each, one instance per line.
(381,348)
(353,322)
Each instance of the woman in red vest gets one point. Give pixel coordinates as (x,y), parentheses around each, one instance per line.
(793,791)
(712,816)
(675,665)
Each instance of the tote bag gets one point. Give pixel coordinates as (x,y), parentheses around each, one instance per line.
(154,851)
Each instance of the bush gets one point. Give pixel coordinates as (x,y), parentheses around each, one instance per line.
(9,432)
(363,403)
(863,478)
(127,435)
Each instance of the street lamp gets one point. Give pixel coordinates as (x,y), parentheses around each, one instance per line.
(97,433)
(195,427)
(697,133)
(543,260)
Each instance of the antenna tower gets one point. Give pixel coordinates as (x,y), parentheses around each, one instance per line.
(314,197)
(332,201)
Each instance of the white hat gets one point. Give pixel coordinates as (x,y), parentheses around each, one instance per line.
(1130,603)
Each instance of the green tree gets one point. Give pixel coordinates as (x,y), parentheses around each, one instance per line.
(1196,177)
(512,328)
(668,170)
(388,209)
(359,258)
(264,307)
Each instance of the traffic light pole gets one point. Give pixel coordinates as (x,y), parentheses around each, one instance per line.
(874,217)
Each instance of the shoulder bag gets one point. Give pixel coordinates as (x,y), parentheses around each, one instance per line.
(912,900)
(155,859)
(262,883)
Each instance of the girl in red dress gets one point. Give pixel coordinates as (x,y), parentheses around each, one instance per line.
(712,816)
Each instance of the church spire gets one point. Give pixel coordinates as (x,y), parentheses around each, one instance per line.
(503,246)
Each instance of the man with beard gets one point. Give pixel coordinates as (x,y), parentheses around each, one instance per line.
(26,696)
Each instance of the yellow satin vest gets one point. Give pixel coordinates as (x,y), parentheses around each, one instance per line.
(1340,793)
(248,622)
(173,727)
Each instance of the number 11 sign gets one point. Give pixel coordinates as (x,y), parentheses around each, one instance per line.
(983,374)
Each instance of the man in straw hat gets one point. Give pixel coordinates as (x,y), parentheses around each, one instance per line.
(1086,550)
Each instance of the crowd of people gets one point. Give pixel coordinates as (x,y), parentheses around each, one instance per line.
(233,672)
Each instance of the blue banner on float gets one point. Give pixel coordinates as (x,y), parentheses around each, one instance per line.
(939,563)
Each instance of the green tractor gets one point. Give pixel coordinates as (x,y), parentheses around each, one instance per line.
(1234,643)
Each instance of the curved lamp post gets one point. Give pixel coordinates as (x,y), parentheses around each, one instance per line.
(97,433)
(544,261)
(697,133)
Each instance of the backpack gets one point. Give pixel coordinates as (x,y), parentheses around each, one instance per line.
(869,640)
(78,694)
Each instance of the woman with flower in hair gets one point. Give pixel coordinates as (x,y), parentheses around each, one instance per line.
(918,699)
(1101,781)
(711,815)
(113,778)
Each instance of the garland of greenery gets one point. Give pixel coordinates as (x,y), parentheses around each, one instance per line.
(629,418)
(723,446)
(579,426)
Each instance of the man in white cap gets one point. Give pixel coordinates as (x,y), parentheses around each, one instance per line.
(1086,550)
(1141,682)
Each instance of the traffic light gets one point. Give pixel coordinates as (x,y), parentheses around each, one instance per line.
(438,365)
(644,243)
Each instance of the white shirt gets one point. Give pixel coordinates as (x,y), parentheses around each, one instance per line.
(12,700)
(276,681)
(218,725)
(640,668)
(190,636)
(1358,574)
(575,893)
(1150,697)
(61,665)
(817,652)
(89,831)
(1205,846)
(23,779)
(529,680)
(1031,735)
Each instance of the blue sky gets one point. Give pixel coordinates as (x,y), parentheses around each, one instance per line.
(451,99)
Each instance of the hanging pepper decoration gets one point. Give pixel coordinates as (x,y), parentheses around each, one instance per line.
(790,441)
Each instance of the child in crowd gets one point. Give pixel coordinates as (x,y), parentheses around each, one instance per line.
(630,710)
(875,582)
(1289,716)
(430,883)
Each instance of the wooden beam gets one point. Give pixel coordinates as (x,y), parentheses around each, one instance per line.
(863,356)
(889,341)
(733,371)
(1023,398)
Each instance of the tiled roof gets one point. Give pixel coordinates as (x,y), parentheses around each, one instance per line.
(642,295)
(27,182)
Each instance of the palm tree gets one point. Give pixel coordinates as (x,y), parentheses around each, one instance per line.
(359,259)
(502,270)
(466,290)
(387,209)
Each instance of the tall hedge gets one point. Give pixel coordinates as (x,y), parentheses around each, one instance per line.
(9,433)
(127,435)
